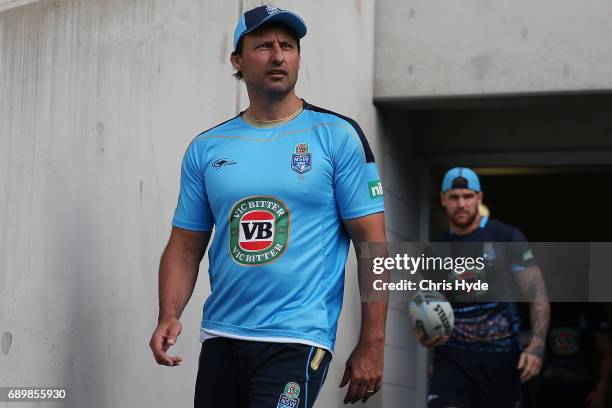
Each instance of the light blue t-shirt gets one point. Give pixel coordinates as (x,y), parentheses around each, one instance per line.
(277,198)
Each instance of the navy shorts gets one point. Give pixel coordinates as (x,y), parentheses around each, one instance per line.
(470,379)
(250,374)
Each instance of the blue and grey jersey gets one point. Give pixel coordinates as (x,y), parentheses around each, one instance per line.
(276,198)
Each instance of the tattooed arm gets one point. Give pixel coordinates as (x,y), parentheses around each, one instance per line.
(531,284)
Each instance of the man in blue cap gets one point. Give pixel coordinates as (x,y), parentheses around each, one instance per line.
(482,362)
(286,186)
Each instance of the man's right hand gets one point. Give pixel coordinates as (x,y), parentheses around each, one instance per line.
(429,341)
(163,337)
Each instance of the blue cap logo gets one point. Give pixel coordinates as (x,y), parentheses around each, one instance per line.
(272,9)
(252,19)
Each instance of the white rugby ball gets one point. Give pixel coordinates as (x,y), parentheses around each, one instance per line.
(432,313)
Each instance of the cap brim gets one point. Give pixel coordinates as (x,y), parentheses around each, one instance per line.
(292,20)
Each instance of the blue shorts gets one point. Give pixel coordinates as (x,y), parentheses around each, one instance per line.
(249,374)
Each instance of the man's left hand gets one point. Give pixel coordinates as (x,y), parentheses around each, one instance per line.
(530,363)
(363,372)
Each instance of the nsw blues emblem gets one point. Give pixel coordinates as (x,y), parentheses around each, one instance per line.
(286,402)
(301,160)
(289,398)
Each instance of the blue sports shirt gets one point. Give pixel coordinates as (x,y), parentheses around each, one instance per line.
(277,197)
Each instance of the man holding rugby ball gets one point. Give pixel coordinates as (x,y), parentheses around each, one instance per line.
(482,363)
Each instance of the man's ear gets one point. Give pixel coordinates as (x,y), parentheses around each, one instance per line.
(442,201)
(480,197)
(236,61)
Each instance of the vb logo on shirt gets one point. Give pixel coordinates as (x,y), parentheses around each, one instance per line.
(259,230)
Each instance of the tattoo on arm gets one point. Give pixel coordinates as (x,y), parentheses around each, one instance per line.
(531,284)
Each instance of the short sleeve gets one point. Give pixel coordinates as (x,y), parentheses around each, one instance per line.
(357,185)
(521,255)
(193,210)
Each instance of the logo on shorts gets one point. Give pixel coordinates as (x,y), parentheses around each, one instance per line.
(375,189)
(259,230)
(301,161)
(292,390)
(289,397)
(286,402)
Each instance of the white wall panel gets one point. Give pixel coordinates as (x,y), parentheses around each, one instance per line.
(428,49)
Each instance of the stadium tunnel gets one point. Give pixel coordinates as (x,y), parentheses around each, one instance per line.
(545,163)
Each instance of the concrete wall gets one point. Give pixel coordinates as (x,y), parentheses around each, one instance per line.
(430,49)
(405,382)
(98,101)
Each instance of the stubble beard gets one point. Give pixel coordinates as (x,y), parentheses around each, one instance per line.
(277,93)
(468,222)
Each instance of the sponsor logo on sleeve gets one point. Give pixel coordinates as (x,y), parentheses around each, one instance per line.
(375,189)
(259,230)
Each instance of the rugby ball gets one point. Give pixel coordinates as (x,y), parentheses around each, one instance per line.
(432,313)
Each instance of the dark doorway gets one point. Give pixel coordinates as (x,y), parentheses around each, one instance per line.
(549,204)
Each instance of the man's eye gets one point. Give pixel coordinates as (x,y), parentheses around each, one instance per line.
(287,45)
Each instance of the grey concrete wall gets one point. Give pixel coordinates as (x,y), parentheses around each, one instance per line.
(405,382)
(430,49)
(98,101)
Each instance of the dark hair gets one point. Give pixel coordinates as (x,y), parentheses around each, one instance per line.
(238,51)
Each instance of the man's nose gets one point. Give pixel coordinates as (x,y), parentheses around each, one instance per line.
(277,54)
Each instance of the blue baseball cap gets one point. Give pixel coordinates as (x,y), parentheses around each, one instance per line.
(252,19)
(461,177)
